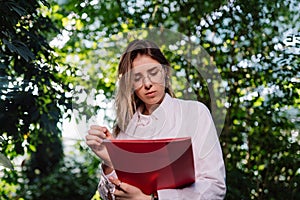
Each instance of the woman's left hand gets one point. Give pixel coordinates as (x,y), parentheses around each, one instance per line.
(126,191)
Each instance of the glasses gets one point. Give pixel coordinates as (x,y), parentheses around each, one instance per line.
(153,73)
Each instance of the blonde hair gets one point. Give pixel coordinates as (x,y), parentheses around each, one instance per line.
(126,101)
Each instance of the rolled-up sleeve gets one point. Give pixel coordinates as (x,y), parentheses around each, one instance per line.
(105,187)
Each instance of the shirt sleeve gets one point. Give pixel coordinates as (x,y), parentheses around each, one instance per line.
(105,187)
(209,164)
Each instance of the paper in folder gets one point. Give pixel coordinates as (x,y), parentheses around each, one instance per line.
(152,165)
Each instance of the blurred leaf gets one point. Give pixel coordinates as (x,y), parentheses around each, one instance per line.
(5,162)
(20,48)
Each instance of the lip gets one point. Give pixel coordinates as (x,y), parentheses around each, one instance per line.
(152,93)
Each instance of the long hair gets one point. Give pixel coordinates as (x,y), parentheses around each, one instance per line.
(126,101)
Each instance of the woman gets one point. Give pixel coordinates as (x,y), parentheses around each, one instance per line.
(146,109)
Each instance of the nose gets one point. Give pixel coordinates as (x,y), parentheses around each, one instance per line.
(147,82)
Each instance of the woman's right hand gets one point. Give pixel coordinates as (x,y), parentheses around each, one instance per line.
(94,140)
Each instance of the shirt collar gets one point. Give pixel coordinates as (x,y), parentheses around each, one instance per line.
(155,121)
(158,111)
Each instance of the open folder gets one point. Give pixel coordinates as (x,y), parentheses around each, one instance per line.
(152,165)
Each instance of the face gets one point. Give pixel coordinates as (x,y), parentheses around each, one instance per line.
(148,78)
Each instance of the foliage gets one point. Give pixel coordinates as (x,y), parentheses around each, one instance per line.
(70,179)
(33,87)
(34,92)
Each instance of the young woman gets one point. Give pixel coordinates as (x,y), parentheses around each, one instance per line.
(146,109)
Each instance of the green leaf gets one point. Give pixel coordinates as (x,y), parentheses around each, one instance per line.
(19,48)
(4,161)
(17,8)
(32,148)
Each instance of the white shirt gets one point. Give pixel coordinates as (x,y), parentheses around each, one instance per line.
(183,118)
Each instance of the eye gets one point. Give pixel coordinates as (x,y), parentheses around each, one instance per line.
(153,71)
(137,77)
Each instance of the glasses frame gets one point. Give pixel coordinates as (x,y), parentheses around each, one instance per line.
(149,76)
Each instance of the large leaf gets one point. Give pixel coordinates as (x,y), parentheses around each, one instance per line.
(4,161)
(19,48)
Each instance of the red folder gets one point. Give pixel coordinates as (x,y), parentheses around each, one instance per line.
(152,165)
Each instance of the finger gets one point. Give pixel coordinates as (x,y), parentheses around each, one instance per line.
(104,131)
(115,181)
(93,139)
(119,185)
(100,128)
(120,193)
(93,144)
(97,133)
